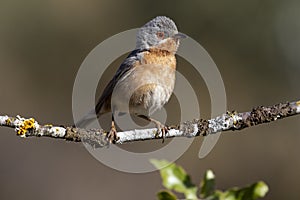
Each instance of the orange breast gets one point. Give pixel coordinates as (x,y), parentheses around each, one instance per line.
(159,57)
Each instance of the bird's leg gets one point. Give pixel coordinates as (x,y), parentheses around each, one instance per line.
(161,128)
(112,135)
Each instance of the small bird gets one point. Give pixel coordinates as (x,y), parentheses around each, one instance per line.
(145,80)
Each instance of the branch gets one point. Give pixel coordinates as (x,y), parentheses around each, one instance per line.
(197,127)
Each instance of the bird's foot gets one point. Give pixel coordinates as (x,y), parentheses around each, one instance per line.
(161,130)
(112,136)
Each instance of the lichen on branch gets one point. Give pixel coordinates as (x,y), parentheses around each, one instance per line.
(198,127)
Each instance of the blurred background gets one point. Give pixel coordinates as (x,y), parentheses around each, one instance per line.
(255,45)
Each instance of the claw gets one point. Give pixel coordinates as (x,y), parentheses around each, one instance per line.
(161,129)
(112,136)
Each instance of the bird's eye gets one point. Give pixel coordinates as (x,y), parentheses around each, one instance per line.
(160,35)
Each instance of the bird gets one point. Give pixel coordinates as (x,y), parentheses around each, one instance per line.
(145,80)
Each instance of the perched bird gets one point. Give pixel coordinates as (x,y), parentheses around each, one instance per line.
(145,80)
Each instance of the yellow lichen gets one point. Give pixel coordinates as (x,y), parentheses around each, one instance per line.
(8,121)
(234,121)
(233,115)
(298,103)
(25,126)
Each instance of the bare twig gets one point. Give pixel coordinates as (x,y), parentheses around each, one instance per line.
(197,127)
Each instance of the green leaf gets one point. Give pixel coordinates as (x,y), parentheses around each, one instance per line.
(260,189)
(207,184)
(175,178)
(166,195)
(252,192)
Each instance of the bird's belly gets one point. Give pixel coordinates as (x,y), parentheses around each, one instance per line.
(144,89)
(149,98)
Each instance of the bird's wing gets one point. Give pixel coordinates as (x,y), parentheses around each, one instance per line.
(128,64)
(105,98)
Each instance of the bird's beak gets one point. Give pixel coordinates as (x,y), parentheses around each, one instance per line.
(179,36)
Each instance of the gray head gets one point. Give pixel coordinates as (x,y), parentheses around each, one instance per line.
(160,32)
